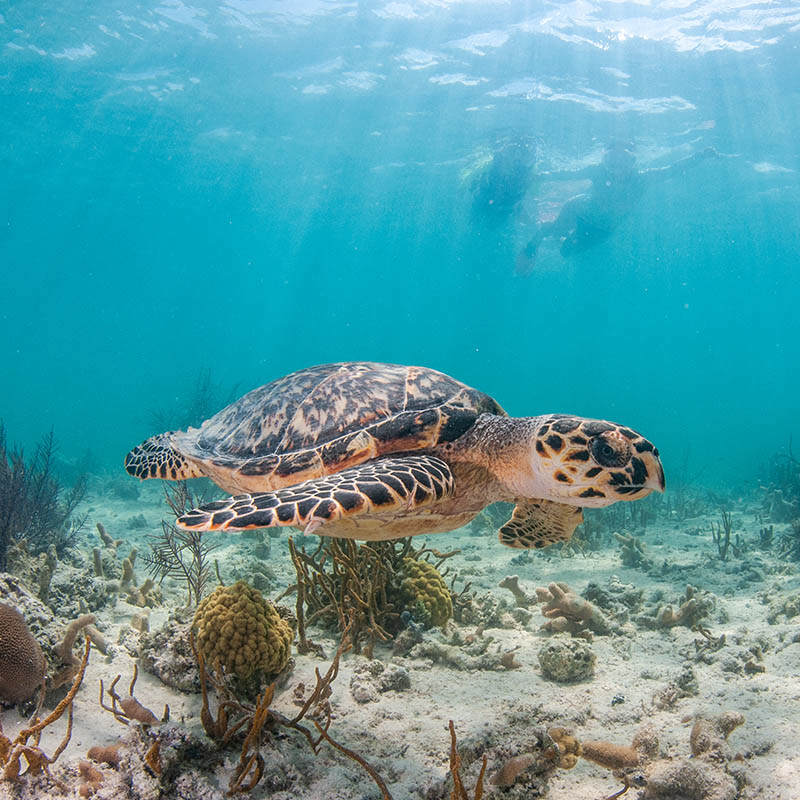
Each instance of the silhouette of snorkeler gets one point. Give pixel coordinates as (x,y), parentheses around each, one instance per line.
(501,186)
(589,219)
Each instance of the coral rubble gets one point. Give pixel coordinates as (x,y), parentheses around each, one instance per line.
(567,660)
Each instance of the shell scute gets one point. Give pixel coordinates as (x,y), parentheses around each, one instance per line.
(260,466)
(347,449)
(417,428)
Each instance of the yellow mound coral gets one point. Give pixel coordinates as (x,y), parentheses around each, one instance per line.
(425,592)
(242,632)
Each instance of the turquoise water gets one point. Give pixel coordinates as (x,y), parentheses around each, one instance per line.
(255,186)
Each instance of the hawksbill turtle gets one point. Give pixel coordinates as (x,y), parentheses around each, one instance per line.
(380,451)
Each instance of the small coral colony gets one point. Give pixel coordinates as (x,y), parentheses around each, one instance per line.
(231,620)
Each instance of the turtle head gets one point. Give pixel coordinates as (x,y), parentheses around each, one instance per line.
(592,463)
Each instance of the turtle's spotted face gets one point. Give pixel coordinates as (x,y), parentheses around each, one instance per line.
(594,463)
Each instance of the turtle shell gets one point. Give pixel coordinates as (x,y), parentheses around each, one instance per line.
(324,419)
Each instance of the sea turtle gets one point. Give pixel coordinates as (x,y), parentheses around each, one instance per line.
(379,451)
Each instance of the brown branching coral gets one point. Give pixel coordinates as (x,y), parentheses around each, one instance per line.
(357,758)
(12,752)
(46,570)
(235,717)
(459,792)
(342,581)
(251,762)
(129,709)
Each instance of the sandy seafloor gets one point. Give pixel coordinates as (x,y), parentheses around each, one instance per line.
(404,734)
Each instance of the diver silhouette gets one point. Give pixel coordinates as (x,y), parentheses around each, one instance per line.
(500,187)
(589,219)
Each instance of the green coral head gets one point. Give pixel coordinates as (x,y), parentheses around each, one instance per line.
(240,631)
(425,593)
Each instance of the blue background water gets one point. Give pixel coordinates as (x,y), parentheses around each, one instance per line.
(256,186)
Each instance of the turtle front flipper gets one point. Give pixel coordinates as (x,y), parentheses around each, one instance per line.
(157,458)
(538,523)
(384,485)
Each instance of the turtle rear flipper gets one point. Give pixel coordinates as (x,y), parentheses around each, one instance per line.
(538,523)
(387,484)
(157,458)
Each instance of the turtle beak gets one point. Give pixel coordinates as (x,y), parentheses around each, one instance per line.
(656,482)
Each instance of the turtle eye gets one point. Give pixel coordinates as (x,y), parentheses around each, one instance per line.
(610,452)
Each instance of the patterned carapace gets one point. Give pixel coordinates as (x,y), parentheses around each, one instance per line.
(316,422)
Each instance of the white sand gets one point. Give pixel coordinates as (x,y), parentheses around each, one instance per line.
(404,734)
